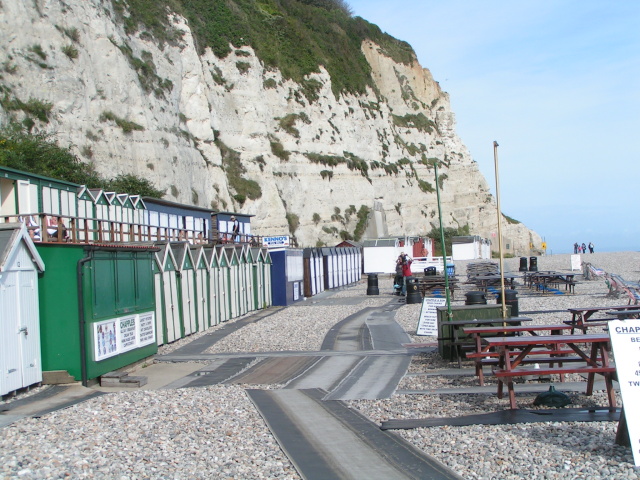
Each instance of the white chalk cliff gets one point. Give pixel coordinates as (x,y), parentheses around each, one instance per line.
(317,162)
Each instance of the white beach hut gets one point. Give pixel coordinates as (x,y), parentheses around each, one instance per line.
(20,360)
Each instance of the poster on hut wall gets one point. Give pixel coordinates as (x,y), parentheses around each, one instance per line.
(625,341)
(428,323)
(118,335)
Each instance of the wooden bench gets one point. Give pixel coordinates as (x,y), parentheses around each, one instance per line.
(513,351)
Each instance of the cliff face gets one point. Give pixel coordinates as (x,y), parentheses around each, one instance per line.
(230,134)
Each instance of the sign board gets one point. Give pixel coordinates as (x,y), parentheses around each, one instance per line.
(625,341)
(576,264)
(118,335)
(276,242)
(428,323)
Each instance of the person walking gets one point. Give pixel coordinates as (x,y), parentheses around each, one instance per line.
(591,247)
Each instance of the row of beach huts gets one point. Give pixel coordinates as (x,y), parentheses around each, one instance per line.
(117,285)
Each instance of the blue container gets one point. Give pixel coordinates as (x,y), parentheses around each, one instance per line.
(451,270)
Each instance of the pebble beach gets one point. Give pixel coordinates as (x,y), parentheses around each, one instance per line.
(216,432)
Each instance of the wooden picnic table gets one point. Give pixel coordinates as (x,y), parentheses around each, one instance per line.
(485,281)
(543,280)
(484,356)
(457,327)
(581,315)
(513,351)
(429,283)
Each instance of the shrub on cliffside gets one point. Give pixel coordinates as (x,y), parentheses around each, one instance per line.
(40,154)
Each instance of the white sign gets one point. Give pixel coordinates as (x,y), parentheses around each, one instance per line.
(575,263)
(275,242)
(428,323)
(625,341)
(127,333)
(118,335)
(147,329)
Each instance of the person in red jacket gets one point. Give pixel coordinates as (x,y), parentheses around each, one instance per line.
(405,260)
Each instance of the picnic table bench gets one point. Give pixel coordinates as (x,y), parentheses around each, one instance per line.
(460,343)
(544,280)
(513,351)
(580,316)
(625,314)
(484,282)
(485,356)
(428,284)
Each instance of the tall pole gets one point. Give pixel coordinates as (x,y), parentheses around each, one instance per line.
(444,248)
(504,300)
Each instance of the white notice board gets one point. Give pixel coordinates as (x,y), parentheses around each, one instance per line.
(576,264)
(428,323)
(625,341)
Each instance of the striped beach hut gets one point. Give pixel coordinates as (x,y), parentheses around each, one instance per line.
(202,287)
(168,325)
(186,287)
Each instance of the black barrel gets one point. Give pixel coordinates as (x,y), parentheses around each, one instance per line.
(523,264)
(372,284)
(475,298)
(430,271)
(533,264)
(511,297)
(413,292)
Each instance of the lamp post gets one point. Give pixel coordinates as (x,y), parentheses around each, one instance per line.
(444,248)
(495,159)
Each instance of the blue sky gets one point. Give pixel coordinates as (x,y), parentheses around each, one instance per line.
(557,85)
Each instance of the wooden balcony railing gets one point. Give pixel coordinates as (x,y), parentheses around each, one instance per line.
(47,228)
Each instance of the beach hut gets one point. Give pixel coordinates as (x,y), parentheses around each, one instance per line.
(210,254)
(20,263)
(242,279)
(233,268)
(327,261)
(250,273)
(96,308)
(202,287)
(101,211)
(258,277)
(167,295)
(267,276)
(309,269)
(287,275)
(186,287)
(224,284)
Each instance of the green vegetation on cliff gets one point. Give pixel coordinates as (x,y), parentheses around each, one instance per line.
(293,36)
(40,154)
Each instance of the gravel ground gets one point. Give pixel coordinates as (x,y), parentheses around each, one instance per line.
(215,432)
(559,450)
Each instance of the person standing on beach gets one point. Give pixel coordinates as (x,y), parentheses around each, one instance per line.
(406,270)
(591,247)
(584,247)
(575,247)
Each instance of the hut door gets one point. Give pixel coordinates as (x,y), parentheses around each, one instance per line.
(20,331)
(29,328)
